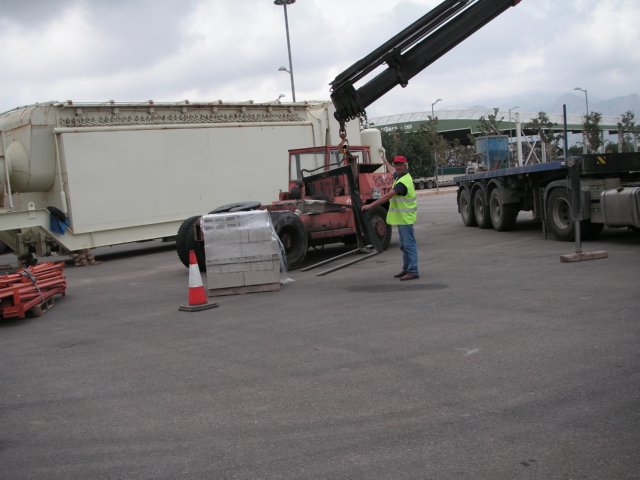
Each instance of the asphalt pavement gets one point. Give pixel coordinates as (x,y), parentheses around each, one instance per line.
(501,362)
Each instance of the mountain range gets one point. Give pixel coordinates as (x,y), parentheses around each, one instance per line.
(539,102)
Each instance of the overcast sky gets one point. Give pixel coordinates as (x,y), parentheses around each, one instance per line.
(206,50)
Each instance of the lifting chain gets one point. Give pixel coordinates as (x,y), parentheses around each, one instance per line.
(344,143)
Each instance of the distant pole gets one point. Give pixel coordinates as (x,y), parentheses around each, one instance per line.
(435,147)
(510,134)
(284,3)
(586,101)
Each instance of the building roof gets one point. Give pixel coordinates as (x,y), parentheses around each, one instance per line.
(459,122)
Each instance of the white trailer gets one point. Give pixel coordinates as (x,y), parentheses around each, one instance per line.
(132,172)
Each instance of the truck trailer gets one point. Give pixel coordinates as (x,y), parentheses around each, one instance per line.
(75,176)
(602,189)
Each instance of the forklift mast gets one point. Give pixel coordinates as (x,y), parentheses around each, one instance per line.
(410,52)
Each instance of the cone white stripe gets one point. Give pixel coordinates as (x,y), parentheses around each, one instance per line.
(195,279)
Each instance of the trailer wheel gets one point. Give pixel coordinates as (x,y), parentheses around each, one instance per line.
(421,185)
(431,184)
(293,236)
(481,210)
(377,219)
(466,211)
(559,214)
(503,215)
(236,207)
(186,241)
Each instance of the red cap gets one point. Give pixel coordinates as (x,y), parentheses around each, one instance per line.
(399,159)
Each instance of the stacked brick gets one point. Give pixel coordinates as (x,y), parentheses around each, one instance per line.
(243,253)
(31,290)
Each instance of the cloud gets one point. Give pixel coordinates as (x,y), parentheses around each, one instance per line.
(90,50)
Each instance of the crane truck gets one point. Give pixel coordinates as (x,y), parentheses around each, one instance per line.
(609,185)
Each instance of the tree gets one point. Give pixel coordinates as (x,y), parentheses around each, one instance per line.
(415,145)
(489,125)
(575,150)
(628,132)
(544,129)
(460,155)
(592,133)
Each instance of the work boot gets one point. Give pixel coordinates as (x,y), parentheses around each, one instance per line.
(409,276)
(400,275)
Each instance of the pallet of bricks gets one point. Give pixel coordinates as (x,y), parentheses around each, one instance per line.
(242,251)
(31,290)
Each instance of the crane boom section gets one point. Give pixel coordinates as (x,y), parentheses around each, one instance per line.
(411,51)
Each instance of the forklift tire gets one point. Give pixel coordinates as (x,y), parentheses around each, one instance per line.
(186,241)
(236,207)
(377,219)
(293,236)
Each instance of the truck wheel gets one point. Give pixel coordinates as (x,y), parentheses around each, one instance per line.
(559,214)
(480,210)
(421,185)
(503,215)
(293,235)
(236,207)
(431,184)
(466,211)
(186,241)
(377,219)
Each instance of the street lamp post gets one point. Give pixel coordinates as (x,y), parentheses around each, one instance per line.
(435,147)
(586,101)
(510,134)
(284,3)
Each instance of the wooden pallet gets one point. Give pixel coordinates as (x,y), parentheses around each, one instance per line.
(266,287)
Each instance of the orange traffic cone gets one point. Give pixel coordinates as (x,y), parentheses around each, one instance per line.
(197,295)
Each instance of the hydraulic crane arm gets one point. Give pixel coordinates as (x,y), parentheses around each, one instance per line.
(411,51)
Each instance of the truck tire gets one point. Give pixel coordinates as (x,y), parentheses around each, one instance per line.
(293,235)
(560,221)
(559,214)
(431,184)
(186,241)
(480,209)
(503,215)
(466,210)
(420,185)
(377,219)
(236,207)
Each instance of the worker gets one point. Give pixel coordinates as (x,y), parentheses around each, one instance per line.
(403,207)
(390,169)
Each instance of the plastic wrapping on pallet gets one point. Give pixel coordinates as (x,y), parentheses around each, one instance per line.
(242,249)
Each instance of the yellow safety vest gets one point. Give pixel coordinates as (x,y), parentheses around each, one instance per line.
(403,209)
